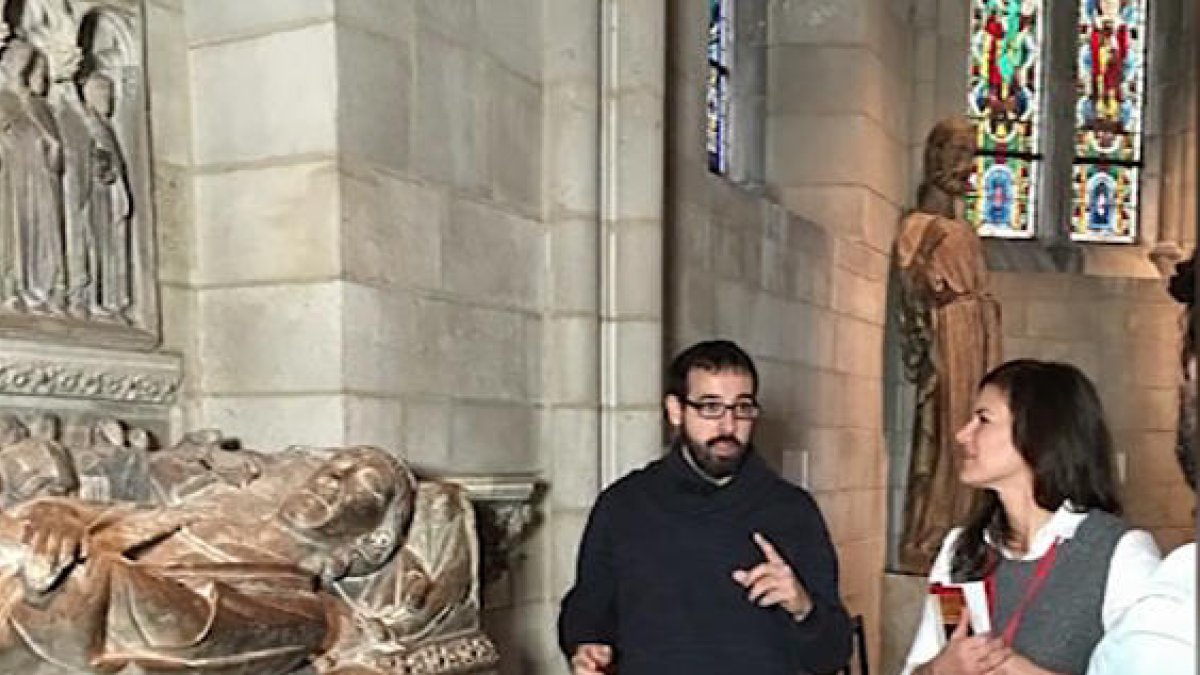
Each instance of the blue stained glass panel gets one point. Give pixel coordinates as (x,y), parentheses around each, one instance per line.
(717,86)
(1002,196)
(1104,203)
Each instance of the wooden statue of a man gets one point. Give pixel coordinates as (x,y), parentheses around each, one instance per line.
(951,338)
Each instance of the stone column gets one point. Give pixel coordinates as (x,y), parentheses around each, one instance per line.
(571,371)
(168,74)
(1174,56)
(604,84)
(632,92)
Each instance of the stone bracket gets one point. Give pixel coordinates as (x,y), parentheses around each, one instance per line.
(505,507)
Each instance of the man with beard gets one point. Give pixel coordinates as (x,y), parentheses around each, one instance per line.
(706,561)
(1157,634)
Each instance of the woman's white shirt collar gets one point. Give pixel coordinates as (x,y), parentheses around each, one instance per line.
(1061,526)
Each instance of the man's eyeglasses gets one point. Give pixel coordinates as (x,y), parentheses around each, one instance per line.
(715,410)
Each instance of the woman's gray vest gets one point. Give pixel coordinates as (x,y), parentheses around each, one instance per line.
(1062,625)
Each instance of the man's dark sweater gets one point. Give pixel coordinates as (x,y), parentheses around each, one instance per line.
(654,578)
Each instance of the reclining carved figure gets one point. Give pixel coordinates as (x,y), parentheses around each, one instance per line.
(245,563)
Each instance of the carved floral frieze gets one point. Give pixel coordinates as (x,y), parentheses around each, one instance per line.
(42,378)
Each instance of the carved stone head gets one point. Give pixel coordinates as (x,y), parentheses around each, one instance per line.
(15,59)
(949,155)
(98,93)
(360,502)
(46,427)
(35,467)
(12,430)
(109,432)
(39,74)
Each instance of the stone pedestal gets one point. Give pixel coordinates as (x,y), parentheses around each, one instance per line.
(902,598)
(504,507)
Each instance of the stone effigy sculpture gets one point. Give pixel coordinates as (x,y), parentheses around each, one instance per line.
(309,560)
(950,326)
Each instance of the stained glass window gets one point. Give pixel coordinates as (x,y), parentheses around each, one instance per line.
(1004,102)
(717,100)
(1109,79)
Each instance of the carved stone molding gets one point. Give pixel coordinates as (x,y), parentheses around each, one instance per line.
(465,654)
(505,514)
(98,375)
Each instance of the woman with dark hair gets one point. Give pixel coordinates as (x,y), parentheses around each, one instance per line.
(1057,562)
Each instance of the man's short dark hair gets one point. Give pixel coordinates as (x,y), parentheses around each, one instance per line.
(712,356)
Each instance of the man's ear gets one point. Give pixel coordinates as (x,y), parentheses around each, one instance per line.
(674,410)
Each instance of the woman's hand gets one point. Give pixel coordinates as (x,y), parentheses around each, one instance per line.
(976,655)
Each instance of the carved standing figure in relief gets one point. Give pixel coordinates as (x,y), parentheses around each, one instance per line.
(108,205)
(951,337)
(31,167)
(99,203)
(17,153)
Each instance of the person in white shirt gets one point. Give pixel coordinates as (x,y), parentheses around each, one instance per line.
(1157,635)
(1058,564)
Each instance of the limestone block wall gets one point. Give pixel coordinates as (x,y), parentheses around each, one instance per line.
(368,255)
(1124,333)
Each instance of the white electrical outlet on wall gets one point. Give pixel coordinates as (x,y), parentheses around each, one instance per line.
(802,462)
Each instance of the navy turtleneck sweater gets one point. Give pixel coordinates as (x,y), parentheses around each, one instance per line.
(654,578)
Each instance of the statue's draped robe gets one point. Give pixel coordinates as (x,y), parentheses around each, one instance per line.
(108,209)
(99,208)
(196,598)
(31,223)
(951,328)
(431,591)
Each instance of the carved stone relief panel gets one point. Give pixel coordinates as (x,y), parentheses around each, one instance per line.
(76,227)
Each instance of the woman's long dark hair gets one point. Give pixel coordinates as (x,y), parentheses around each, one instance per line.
(1058,427)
